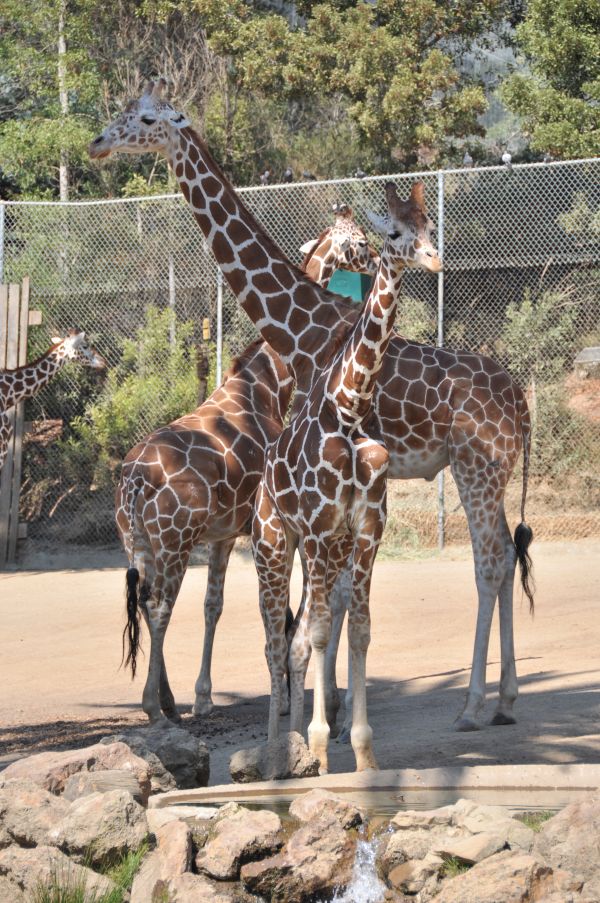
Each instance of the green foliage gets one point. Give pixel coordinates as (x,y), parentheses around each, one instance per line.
(559,100)
(63,887)
(535,820)
(415,320)
(538,336)
(154,383)
(453,867)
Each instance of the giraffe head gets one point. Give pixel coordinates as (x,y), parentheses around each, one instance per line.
(406,230)
(344,245)
(75,347)
(144,125)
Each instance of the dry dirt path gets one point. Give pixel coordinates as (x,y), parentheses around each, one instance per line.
(60,651)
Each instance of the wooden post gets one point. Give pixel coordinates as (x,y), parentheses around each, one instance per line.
(14,323)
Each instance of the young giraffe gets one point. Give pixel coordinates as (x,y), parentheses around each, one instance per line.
(325,487)
(195,481)
(432,406)
(342,246)
(25,382)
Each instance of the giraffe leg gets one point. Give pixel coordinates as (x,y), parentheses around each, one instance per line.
(479,498)
(298,659)
(167,700)
(359,638)
(338,601)
(509,687)
(273,556)
(213,606)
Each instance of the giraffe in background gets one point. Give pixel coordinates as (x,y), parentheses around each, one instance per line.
(433,407)
(26,381)
(325,486)
(343,246)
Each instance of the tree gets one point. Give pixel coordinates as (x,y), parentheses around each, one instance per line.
(560,100)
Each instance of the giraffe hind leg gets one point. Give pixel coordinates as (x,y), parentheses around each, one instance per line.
(509,688)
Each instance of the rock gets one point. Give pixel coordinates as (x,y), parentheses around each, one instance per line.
(238,835)
(413,818)
(411,876)
(28,813)
(509,877)
(571,840)
(470,849)
(51,770)
(323,804)
(87,782)
(189,814)
(172,857)
(409,844)
(494,820)
(195,889)
(288,757)
(9,892)
(184,756)
(101,828)
(30,868)
(587,363)
(316,860)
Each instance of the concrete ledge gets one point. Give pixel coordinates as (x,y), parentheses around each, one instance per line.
(493,778)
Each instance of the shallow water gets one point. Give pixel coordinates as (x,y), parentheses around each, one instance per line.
(365,886)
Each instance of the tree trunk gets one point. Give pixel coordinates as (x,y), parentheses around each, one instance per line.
(63,175)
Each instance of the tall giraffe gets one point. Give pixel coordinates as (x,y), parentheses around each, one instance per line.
(344,245)
(195,481)
(433,407)
(325,486)
(26,381)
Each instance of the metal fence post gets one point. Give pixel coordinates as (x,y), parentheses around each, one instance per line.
(2,213)
(441,515)
(219,327)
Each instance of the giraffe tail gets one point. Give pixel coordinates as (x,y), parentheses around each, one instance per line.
(524,534)
(131,631)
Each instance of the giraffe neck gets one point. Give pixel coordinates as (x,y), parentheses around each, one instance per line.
(295,316)
(25,382)
(354,377)
(322,264)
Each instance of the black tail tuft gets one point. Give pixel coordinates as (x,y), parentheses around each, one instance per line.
(522,539)
(131,632)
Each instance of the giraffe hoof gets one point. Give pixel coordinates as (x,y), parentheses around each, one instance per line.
(463,725)
(174,717)
(202,707)
(501,719)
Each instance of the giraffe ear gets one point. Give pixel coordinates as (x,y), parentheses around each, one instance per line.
(381,224)
(308,246)
(159,88)
(417,195)
(148,88)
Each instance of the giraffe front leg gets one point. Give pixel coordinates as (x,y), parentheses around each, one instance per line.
(213,608)
(359,638)
(339,597)
(298,659)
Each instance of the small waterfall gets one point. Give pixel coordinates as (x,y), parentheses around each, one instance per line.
(365,886)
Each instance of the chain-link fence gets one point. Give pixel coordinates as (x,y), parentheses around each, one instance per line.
(521,283)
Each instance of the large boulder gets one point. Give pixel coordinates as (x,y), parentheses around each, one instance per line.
(51,770)
(28,869)
(471,849)
(184,756)
(190,888)
(101,828)
(493,820)
(510,877)
(28,813)
(319,803)
(195,816)
(236,836)
(571,840)
(10,893)
(412,876)
(287,757)
(315,861)
(172,857)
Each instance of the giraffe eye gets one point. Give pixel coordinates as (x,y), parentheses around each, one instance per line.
(394,236)
(147,120)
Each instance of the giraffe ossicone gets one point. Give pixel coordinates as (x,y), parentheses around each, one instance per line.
(432,407)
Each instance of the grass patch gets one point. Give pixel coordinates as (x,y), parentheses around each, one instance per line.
(535,820)
(453,867)
(65,887)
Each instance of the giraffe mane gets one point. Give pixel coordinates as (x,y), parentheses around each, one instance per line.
(243,358)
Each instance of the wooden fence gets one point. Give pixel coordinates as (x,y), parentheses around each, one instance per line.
(15,320)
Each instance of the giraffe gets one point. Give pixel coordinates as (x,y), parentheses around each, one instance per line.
(246,416)
(189,482)
(344,245)
(25,382)
(433,407)
(324,486)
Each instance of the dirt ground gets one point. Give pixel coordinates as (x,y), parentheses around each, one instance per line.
(60,650)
